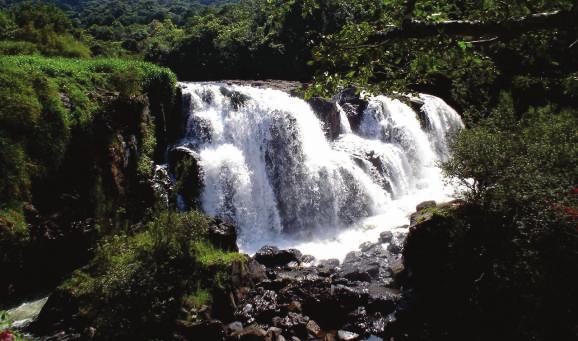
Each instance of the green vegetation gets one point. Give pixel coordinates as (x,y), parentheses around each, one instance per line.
(59,129)
(261,38)
(469,70)
(5,329)
(136,283)
(68,127)
(48,99)
(108,28)
(519,229)
(208,255)
(38,28)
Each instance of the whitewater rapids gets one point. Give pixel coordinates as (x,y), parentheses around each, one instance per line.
(268,166)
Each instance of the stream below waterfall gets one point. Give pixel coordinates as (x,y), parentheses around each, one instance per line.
(268,166)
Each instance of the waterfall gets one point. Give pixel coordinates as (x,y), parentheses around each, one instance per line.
(268,167)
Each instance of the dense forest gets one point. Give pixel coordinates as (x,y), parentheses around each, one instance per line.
(90,104)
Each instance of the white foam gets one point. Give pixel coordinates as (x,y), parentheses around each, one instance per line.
(269,168)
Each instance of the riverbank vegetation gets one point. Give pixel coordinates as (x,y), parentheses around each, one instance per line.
(62,132)
(139,283)
(88,87)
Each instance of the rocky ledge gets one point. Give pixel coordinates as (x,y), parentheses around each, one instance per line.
(301,298)
(282,295)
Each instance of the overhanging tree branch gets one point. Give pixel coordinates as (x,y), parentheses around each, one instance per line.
(417,29)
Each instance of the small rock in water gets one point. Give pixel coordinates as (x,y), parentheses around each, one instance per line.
(344,335)
(234,327)
(366,246)
(394,248)
(307,259)
(385,237)
(274,333)
(314,329)
(328,263)
(425,204)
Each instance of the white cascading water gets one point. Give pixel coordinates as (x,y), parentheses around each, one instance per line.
(269,168)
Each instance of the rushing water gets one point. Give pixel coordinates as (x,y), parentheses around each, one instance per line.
(26,312)
(268,166)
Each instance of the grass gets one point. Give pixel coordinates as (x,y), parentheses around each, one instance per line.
(144,277)
(207,255)
(46,99)
(198,298)
(59,120)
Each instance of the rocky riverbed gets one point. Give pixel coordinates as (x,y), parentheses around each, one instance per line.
(301,298)
(279,295)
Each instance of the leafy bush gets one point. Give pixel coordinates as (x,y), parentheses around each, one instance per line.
(36,27)
(518,165)
(506,253)
(137,282)
(12,48)
(6,333)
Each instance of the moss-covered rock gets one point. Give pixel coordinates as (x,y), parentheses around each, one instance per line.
(140,284)
(78,139)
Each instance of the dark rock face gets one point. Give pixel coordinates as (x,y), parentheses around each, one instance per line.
(271,256)
(280,295)
(223,235)
(425,204)
(204,330)
(313,302)
(184,164)
(64,207)
(353,106)
(328,113)
(238,99)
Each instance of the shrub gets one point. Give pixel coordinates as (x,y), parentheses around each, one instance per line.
(137,282)
(504,255)
(11,48)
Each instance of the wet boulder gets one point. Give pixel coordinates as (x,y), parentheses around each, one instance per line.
(204,330)
(328,113)
(385,237)
(365,266)
(314,329)
(353,105)
(424,211)
(344,335)
(223,235)
(272,256)
(238,99)
(293,324)
(307,259)
(425,204)
(184,165)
